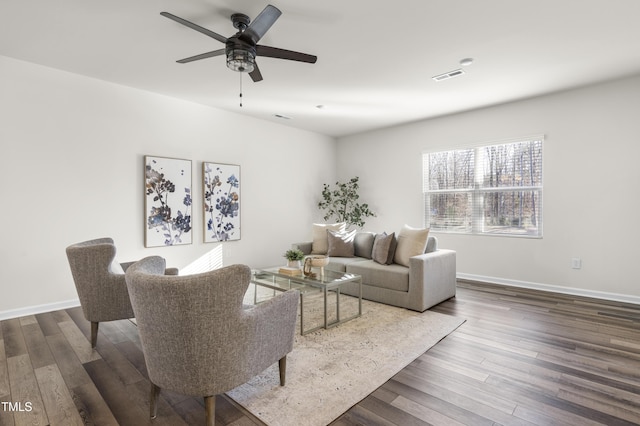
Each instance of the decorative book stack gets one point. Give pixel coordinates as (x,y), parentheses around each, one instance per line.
(290,271)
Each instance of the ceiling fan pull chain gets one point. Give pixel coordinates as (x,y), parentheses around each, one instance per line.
(240,89)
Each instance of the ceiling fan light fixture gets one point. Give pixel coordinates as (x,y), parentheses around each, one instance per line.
(241,60)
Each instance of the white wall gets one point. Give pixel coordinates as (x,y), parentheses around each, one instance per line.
(72,170)
(72,160)
(591,197)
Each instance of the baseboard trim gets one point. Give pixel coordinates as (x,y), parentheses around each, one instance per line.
(616,297)
(38,309)
(49,307)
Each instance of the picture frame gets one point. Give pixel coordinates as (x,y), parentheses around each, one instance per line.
(221,202)
(168,201)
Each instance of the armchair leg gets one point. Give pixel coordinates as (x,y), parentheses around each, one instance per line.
(94,333)
(153,405)
(210,409)
(282,366)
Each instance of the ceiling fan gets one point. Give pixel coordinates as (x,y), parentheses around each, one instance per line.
(241,48)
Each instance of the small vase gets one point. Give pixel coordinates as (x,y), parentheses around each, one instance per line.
(294,264)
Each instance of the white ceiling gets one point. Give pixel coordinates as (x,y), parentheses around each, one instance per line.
(375,58)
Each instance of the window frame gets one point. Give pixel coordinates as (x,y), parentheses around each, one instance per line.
(476,191)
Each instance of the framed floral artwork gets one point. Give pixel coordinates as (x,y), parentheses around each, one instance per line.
(167,207)
(221,185)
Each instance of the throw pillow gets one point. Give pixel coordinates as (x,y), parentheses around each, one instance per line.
(340,243)
(432,244)
(411,242)
(363,243)
(320,243)
(384,248)
(392,248)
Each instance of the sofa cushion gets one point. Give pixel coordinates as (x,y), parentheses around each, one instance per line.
(411,242)
(392,277)
(341,244)
(363,244)
(340,263)
(384,248)
(320,244)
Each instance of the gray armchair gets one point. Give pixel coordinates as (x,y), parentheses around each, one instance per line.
(100,282)
(197,337)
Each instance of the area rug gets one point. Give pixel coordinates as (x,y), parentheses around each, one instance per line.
(331,370)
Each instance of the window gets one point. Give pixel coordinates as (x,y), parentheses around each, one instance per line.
(494,189)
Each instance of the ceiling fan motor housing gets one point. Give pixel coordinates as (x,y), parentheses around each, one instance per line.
(241,56)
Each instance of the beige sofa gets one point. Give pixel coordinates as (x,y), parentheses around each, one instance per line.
(429,279)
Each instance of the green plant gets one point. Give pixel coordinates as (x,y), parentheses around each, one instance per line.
(342,204)
(294,254)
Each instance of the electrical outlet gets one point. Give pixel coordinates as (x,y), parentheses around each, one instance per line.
(576,263)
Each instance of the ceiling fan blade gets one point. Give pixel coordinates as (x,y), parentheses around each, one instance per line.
(193,26)
(255,75)
(259,26)
(211,54)
(274,52)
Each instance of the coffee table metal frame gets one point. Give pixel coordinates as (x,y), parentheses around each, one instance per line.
(330,281)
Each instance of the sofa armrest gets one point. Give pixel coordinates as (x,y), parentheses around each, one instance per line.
(432,278)
(304,246)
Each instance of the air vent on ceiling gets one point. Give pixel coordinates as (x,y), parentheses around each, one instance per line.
(448,75)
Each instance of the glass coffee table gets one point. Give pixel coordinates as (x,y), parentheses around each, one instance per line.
(328,282)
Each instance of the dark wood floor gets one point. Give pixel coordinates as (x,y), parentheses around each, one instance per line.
(523,357)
